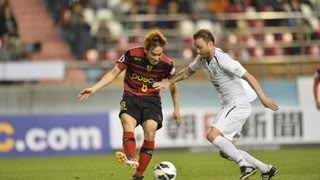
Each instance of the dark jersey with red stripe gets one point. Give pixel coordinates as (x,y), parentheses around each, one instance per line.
(141,74)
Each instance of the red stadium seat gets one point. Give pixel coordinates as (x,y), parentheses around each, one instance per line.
(313,50)
(258,52)
(287,37)
(232,39)
(268,39)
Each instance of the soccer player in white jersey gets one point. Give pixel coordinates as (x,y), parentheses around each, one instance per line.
(233,84)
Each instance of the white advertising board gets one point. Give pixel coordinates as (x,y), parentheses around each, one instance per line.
(305,92)
(289,125)
(21,71)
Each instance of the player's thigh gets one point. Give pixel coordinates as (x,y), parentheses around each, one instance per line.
(231,119)
(129,106)
(128,122)
(152,110)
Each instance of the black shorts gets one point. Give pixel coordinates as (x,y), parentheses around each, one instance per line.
(142,108)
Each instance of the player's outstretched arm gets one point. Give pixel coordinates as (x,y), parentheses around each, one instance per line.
(267,102)
(105,80)
(166,83)
(175,99)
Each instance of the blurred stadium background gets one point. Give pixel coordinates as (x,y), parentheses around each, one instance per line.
(52,49)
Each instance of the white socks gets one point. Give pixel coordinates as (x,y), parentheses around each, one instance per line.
(229,149)
(255,162)
(239,156)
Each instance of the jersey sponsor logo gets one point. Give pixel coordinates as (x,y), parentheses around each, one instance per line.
(143,78)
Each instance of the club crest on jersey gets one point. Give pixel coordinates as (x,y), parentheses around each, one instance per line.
(149,68)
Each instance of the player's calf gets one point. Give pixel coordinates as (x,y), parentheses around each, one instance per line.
(225,156)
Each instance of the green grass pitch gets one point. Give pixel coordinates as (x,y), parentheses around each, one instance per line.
(293,164)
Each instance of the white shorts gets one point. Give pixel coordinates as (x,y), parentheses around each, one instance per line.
(231,118)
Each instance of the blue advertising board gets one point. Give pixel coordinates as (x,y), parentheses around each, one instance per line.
(47,135)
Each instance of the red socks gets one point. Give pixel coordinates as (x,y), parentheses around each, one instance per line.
(146,151)
(129,143)
(145,156)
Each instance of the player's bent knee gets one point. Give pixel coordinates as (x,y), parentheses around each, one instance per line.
(212,134)
(210,138)
(149,135)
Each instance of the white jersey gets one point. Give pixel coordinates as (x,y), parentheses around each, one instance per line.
(225,74)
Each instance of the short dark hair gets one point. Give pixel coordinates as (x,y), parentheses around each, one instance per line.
(205,34)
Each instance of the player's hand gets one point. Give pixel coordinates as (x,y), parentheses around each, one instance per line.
(176,116)
(164,84)
(318,105)
(86,93)
(269,103)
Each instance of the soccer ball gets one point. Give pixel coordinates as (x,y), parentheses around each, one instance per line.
(165,170)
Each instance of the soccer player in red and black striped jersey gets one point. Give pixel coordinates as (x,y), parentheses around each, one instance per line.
(316,88)
(141,103)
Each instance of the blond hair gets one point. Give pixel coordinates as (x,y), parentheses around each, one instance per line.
(154,38)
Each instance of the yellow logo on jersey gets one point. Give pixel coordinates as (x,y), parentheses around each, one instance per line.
(144,88)
(143,78)
(123,105)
